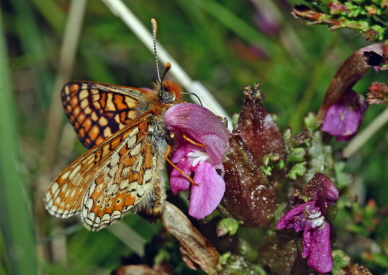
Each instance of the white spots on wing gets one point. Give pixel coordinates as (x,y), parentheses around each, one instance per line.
(136,167)
(65,175)
(87,110)
(57,201)
(94,116)
(94,91)
(89,203)
(113,170)
(124,184)
(137,189)
(96,104)
(84,103)
(54,189)
(115,160)
(107,177)
(111,189)
(67,91)
(60,210)
(87,221)
(83,94)
(64,187)
(68,193)
(89,159)
(125,172)
(147,175)
(109,102)
(103,121)
(117,119)
(136,150)
(133,186)
(134,132)
(131,103)
(131,141)
(92,187)
(116,215)
(74,172)
(107,131)
(84,212)
(141,190)
(48,200)
(91,216)
(105,218)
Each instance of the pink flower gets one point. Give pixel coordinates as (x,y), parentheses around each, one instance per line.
(310,217)
(202,127)
(344,117)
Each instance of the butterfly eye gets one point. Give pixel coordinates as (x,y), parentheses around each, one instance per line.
(166,97)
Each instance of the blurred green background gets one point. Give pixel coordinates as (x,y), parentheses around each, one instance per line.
(225,44)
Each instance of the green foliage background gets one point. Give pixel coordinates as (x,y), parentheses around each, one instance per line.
(216,42)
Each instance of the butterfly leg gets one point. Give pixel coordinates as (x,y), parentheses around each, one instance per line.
(176,167)
(192,141)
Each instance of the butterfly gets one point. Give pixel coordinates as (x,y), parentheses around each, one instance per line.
(123,170)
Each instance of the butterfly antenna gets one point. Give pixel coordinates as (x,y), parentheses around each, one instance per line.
(200,102)
(168,67)
(154,30)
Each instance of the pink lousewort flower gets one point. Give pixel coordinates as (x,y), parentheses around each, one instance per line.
(202,127)
(310,218)
(343,118)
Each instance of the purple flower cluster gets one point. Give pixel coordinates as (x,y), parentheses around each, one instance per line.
(310,218)
(202,141)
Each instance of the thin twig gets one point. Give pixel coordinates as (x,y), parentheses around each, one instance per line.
(359,140)
(143,33)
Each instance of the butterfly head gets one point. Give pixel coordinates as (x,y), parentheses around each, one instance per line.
(169,92)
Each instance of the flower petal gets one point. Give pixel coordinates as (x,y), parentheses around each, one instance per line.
(306,243)
(202,125)
(344,117)
(320,186)
(320,257)
(290,219)
(182,152)
(205,196)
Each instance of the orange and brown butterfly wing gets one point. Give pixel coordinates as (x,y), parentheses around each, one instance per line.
(97,110)
(125,171)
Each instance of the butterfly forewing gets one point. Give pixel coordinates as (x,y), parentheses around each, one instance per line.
(97,110)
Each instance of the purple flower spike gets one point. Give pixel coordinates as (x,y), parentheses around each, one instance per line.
(203,127)
(310,218)
(344,117)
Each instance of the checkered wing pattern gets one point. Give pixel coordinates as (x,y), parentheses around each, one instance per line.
(97,110)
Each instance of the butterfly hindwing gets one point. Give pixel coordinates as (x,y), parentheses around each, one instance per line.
(109,180)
